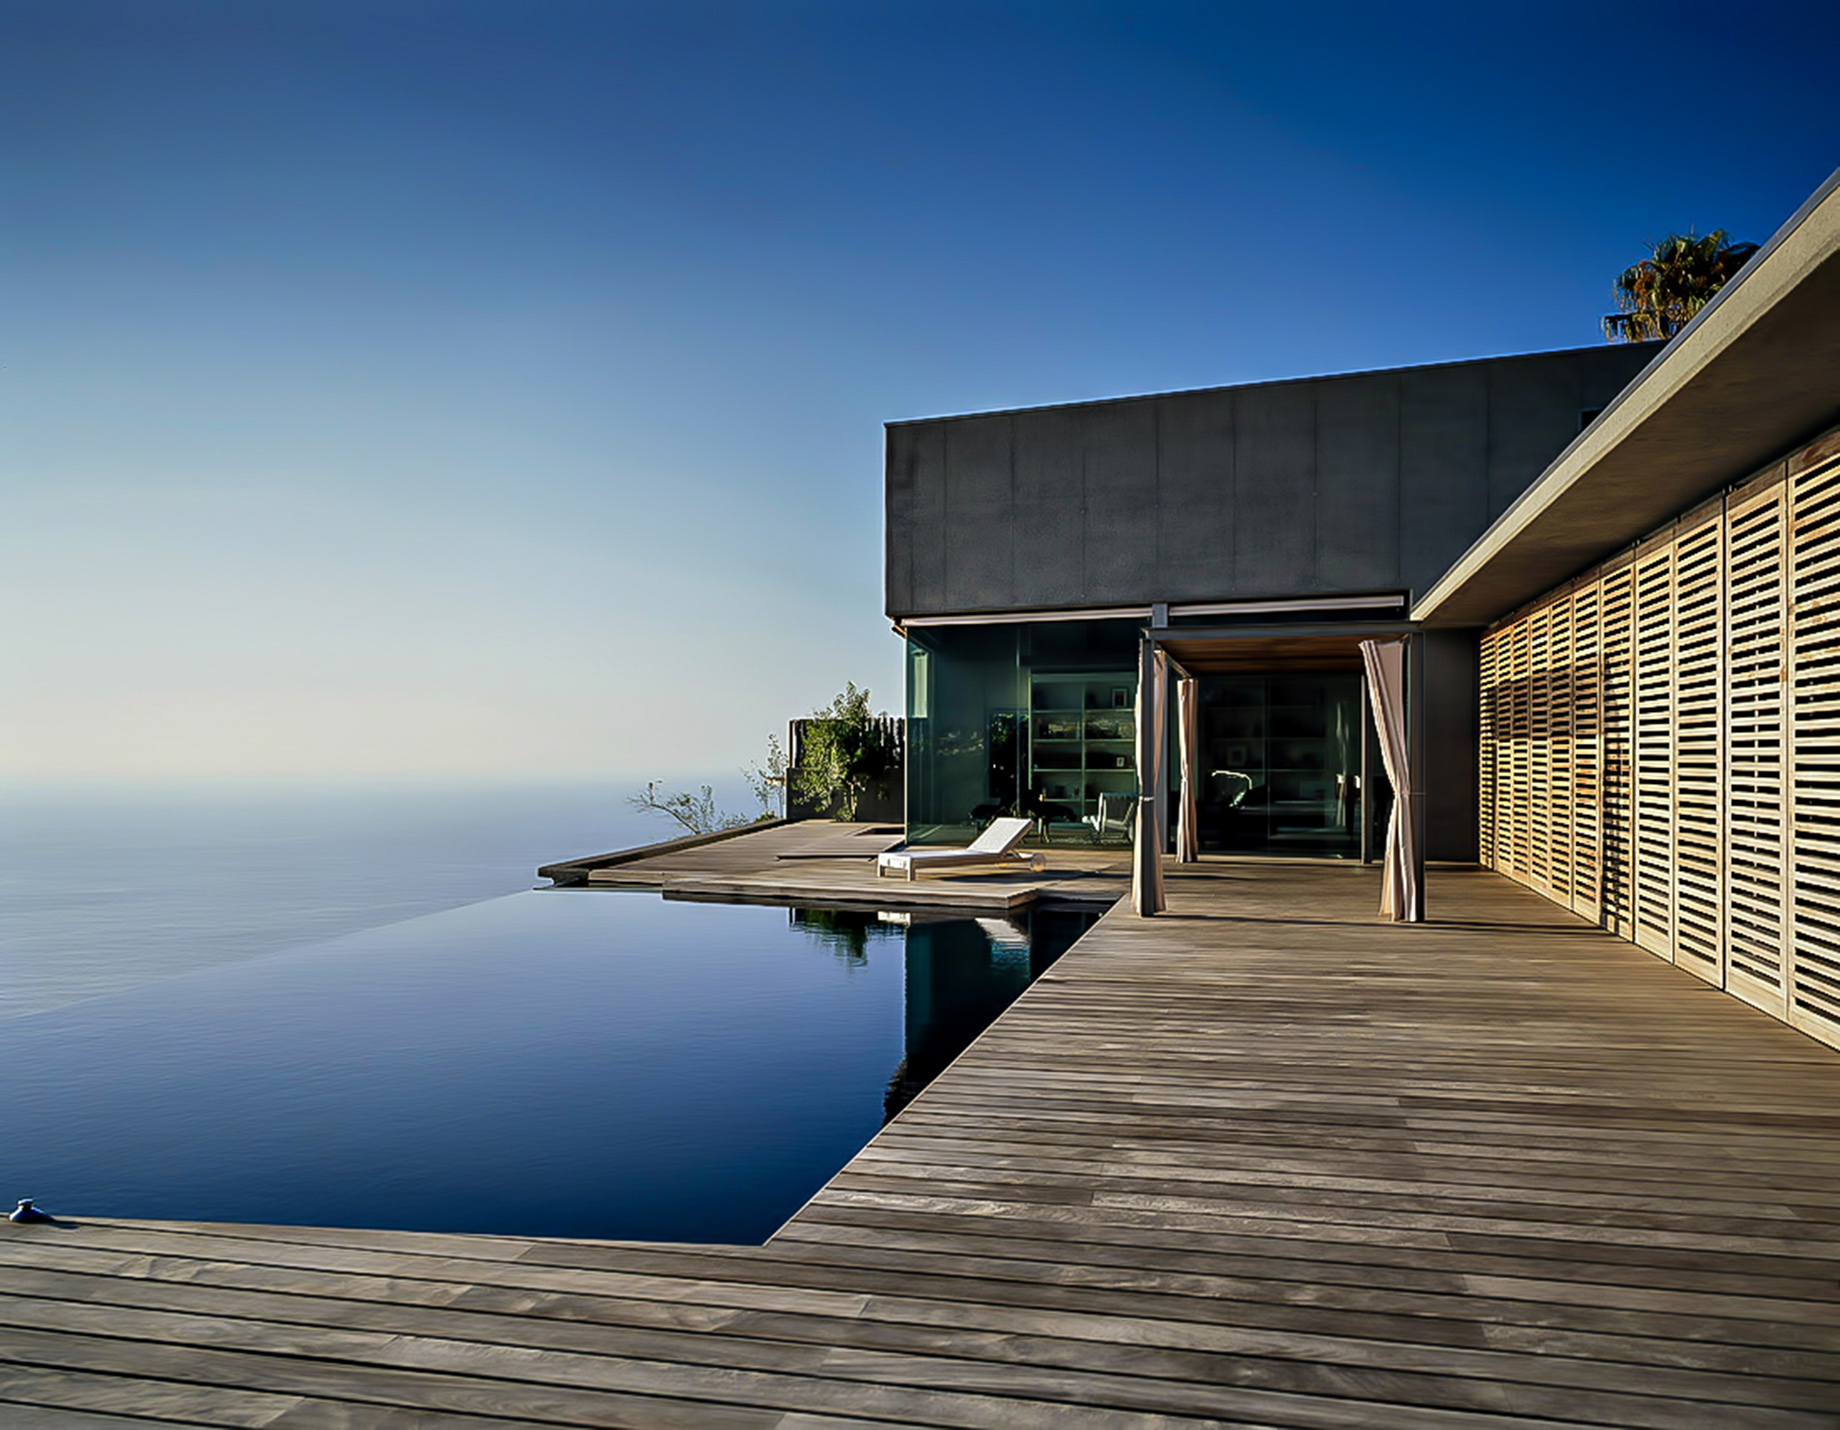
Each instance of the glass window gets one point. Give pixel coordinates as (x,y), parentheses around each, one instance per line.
(1040,720)
(1018,719)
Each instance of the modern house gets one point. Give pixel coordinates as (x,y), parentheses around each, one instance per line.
(1616,569)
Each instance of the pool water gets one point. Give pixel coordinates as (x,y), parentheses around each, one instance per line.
(552,1063)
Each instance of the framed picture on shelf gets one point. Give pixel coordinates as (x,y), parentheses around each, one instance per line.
(1121,697)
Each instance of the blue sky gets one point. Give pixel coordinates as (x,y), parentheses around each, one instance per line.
(489,389)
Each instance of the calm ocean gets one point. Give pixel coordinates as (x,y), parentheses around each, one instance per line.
(105,889)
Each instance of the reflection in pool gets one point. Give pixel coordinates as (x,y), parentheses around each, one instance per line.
(554,1063)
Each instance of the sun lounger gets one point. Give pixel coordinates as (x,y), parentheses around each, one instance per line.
(996,846)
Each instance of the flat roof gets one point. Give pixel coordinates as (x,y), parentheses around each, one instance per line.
(1246,386)
(1753,376)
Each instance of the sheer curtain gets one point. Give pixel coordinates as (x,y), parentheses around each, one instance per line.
(1401,899)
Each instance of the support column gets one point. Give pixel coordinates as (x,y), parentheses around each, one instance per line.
(1367,782)
(1415,714)
(1147,861)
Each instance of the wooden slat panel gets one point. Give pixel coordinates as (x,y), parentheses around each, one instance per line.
(1754,809)
(1666,743)
(1698,750)
(1586,752)
(1539,750)
(1504,751)
(1485,761)
(1654,751)
(1515,793)
(1557,811)
(1619,752)
(1814,989)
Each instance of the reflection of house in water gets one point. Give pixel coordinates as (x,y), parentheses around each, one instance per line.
(961,973)
(845,932)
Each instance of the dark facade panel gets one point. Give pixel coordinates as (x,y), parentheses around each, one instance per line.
(1372,481)
(899,524)
(1451,733)
(1194,545)
(920,455)
(1537,406)
(1357,484)
(1119,442)
(1606,371)
(980,497)
(1050,536)
(1443,467)
(1274,462)
(1533,414)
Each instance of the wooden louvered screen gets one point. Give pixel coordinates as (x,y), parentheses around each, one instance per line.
(1814,517)
(1504,752)
(1653,642)
(1618,882)
(1584,698)
(1485,753)
(1662,743)
(1542,749)
(1514,791)
(1699,653)
(1557,812)
(1755,826)
(1538,742)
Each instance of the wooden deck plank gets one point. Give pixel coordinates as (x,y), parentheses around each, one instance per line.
(1701,1343)
(31,1395)
(1689,1341)
(1444,1320)
(1261,1161)
(811,863)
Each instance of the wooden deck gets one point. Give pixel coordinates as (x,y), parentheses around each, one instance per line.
(1262,1161)
(813,862)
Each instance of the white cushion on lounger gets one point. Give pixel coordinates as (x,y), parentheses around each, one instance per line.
(996,845)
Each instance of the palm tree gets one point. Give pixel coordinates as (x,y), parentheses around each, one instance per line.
(1660,295)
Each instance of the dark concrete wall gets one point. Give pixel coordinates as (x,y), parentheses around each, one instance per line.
(1452,695)
(1370,482)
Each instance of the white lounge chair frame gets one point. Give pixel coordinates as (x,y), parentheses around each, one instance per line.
(1117,815)
(995,846)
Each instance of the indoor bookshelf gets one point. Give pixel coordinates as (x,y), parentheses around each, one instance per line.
(1082,738)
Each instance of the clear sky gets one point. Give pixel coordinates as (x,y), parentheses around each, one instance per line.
(482,389)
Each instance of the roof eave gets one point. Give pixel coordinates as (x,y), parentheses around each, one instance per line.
(1746,381)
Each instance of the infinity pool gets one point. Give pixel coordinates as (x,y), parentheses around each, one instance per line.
(553,1063)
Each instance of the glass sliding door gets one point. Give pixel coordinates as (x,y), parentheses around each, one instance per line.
(1280,764)
(967,702)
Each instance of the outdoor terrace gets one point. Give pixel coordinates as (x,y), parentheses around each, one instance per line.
(1262,1160)
(818,863)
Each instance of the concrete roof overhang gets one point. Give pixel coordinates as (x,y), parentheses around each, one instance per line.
(1269,649)
(1265,655)
(1753,376)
